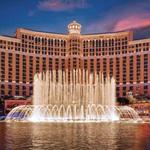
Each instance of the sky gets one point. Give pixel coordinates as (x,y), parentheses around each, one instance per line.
(95,16)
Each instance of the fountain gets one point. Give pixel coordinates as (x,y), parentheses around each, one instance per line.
(72,95)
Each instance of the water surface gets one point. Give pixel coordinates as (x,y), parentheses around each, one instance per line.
(74,136)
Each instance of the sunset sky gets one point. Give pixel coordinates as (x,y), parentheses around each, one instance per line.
(95,16)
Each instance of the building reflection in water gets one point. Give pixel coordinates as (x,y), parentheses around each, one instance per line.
(66,136)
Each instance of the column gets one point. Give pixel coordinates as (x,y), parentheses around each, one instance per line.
(120,77)
(142,74)
(127,73)
(6,72)
(13,73)
(134,74)
(27,75)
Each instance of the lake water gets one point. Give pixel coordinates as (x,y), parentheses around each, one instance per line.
(74,136)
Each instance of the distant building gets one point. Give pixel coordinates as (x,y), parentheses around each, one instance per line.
(142,108)
(11,103)
(116,54)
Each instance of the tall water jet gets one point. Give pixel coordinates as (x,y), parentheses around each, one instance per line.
(72,95)
(66,87)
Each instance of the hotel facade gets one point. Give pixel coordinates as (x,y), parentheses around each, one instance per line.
(114,54)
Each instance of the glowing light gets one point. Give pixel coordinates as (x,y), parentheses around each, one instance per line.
(58,100)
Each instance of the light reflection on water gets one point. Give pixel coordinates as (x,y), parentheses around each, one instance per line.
(74,136)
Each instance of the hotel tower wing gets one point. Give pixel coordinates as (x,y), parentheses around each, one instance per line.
(114,54)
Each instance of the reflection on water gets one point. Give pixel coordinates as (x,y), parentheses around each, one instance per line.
(74,136)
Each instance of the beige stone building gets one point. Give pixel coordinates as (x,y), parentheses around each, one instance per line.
(116,54)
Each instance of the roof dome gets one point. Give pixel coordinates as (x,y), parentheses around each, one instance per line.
(74,28)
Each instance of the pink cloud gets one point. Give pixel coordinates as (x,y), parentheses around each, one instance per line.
(98,26)
(133,16)
(61,5)
(132,22)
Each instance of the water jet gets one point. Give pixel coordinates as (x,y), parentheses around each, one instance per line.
(75,95)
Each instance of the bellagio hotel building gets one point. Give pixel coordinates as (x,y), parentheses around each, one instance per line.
(115,54)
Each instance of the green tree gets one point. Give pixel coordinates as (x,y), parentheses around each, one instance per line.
(1,101)
(123,101)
